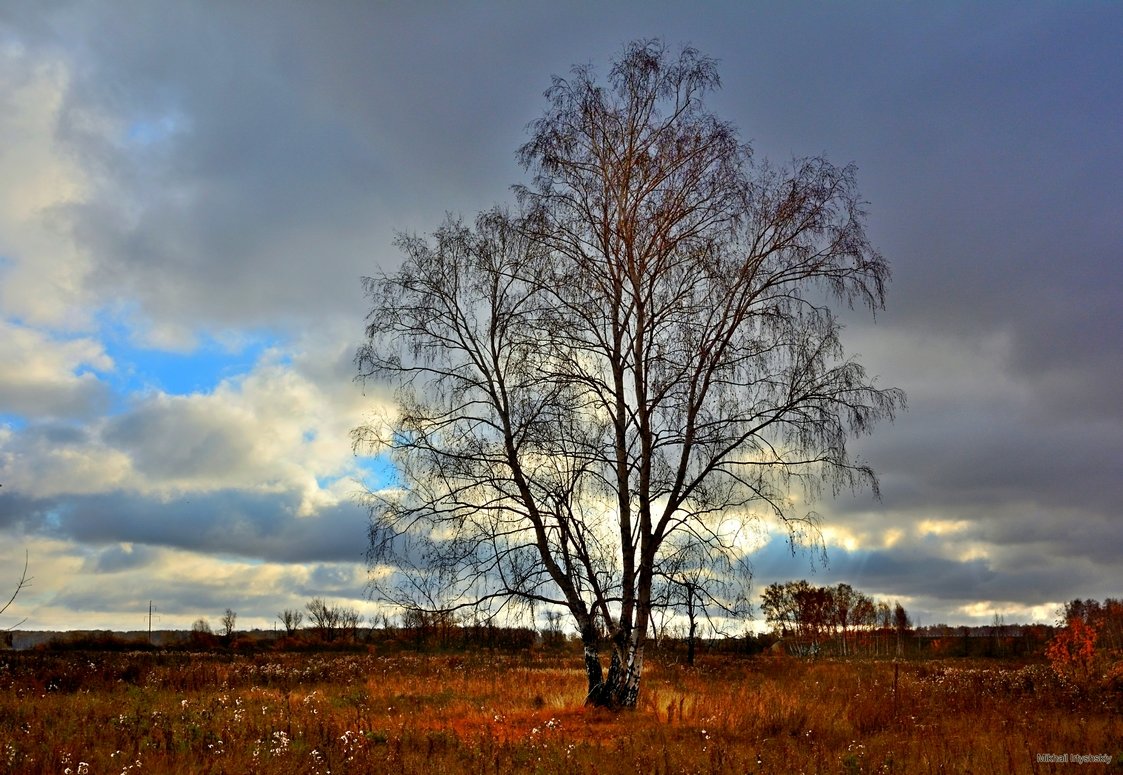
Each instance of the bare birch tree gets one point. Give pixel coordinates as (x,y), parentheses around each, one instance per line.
(639,359)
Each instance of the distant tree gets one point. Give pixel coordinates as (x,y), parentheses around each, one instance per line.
(778,607)
(416,618)
(998,634)
(865,611)
(323,616)
(428,625)
(901,624)
(349,620)
(884,615)
(552,633)
(703,586)
(815,607)
(227,623)
(291,618)
(844,599)
(1111,630)
(1087,611)
(801,592)
(202,636)
(645,351)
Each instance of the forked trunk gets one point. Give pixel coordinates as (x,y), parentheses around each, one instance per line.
(619,688)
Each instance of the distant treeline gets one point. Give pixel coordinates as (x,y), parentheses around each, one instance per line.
(806,621)
(812,620)
(360,639)
(847,620)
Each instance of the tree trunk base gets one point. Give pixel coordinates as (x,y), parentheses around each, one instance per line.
(620,688)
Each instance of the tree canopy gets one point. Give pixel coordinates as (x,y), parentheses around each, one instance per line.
(633,365)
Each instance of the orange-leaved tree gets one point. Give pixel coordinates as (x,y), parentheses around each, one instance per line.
(1072,652)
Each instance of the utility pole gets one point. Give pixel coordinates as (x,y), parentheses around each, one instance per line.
(149,622)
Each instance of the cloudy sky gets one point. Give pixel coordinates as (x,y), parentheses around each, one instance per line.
(190,193)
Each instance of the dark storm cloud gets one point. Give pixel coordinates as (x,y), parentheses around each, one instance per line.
(915,571)
(991,160)
(234,523)
(115,559)
(875,571)
(964,454)
(18,510)
(184,441)
(178,602)
(1077,538)
(259,160)
(921,571)
(246,188)
(271,145)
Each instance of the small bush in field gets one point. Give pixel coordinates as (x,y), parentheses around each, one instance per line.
(1072,652)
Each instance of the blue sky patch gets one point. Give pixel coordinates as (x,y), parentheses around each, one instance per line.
(13,421)
(138,368)
(373,471)
(179,373)
(149,132)
(378,471)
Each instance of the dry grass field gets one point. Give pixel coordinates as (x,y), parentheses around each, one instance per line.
(88,713)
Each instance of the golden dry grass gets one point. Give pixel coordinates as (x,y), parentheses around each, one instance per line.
(502,713)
